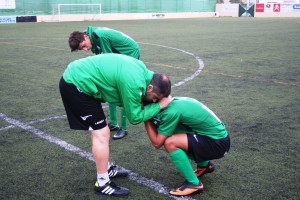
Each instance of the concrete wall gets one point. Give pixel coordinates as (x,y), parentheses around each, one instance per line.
(222,10)
(289,14)
(227,10)
(125,16)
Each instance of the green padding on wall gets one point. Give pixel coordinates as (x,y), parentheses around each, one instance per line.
(49,7)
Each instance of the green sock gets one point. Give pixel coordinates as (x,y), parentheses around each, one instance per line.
(203,164)
(124,124)
(113,114)
(182,163)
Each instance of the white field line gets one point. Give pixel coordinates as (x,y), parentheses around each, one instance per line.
(85,154)
(36,121)
(196,73)
(69,147)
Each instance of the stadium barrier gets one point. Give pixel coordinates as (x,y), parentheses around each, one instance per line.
(261,10)
(121,16)
(26,19)
(221,10)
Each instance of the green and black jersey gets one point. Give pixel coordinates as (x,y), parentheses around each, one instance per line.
(106,40)
(116,79)
(187,115)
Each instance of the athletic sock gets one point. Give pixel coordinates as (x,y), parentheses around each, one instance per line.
(102,179)
(113,120)
(203,164)
(124,124)
(182,163)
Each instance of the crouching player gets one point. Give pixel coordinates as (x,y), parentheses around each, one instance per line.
(189,130)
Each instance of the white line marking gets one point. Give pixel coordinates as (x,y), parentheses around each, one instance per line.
(196,73)
(69,147)
(50,138)
(85,154)
(6,127)
(47,119)
(41,120)
(36,121)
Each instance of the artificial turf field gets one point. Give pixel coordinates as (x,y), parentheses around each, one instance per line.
(245,69)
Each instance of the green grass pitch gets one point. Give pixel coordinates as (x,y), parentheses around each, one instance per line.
(250,79)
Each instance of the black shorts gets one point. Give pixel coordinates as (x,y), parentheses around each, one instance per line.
(83,111)
(205,148)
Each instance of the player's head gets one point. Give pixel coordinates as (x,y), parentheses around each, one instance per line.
(79,41)
(159,88)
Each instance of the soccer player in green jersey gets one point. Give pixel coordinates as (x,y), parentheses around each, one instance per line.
(105,40)
(189,130)
(117,79)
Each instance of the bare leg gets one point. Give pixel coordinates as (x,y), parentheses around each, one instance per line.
(100,148)
(175,142)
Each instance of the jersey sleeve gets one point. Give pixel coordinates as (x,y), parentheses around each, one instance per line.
(168,122)
(132,103)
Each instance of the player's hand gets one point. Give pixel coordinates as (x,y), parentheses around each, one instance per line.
(164,102)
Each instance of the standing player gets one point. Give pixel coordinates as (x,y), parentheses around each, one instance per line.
(117,79)
(105,40)
(189,130)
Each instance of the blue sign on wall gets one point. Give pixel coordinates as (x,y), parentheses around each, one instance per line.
(7,20)
(296,6)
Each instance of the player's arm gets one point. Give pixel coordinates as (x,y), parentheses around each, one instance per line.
(132,97)
(136,113)
(156,139)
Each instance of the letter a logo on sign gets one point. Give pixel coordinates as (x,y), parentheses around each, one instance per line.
(276,7)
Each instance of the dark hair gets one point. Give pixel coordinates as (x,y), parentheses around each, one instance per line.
(161,84)
(75,39)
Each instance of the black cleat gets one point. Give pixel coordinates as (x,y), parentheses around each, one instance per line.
(115,171)
(111,189)
(113,127)
(120,134)
(200,171)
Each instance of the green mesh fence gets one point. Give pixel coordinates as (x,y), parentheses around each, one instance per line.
(50,7)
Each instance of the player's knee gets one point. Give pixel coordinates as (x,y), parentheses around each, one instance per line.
(102,135)
(170,144)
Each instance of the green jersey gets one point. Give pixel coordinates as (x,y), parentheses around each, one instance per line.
(116,79)
(105,40)
(187,115)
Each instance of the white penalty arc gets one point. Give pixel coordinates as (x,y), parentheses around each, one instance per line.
(192,76)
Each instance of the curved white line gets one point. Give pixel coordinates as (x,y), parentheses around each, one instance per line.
(85,154)
(69,147)
(191,77)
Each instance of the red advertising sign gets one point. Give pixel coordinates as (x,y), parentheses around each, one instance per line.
(259,7)
(276,7)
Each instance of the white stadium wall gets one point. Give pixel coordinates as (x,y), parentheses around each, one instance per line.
(262,8)
(277,8)
(227,10)
(122,16)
